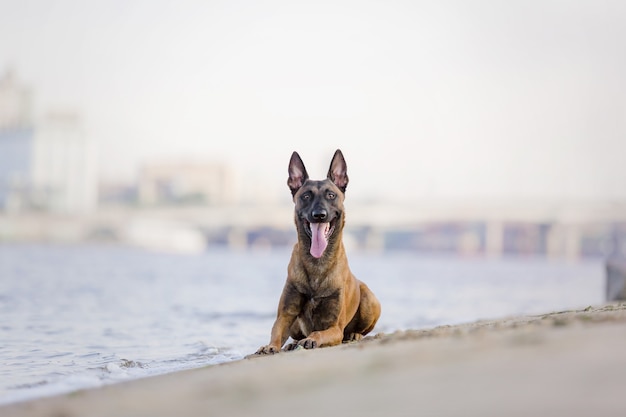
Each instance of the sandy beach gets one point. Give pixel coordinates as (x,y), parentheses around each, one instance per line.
(569,363)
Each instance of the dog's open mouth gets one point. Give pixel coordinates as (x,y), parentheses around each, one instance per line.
(319,233)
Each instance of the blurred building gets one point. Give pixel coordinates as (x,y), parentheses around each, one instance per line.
(15,103)
(48,165)
(112,193)
(185,183)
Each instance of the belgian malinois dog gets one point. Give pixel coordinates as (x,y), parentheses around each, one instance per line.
(322,303)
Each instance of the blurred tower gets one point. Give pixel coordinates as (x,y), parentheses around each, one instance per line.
(45,166)
(15,103)
(16,143)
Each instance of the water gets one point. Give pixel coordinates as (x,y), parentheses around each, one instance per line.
(74,317)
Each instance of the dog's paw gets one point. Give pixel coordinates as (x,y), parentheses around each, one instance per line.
(353,337)
(267,350)
(291,346)
(307,343)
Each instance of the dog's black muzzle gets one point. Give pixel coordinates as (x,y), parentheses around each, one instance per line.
(319,215)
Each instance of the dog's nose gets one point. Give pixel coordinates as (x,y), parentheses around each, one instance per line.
(319,214)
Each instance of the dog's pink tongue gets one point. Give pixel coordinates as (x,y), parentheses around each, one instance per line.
(318,238)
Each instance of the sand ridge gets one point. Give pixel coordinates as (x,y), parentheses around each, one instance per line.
(561,363)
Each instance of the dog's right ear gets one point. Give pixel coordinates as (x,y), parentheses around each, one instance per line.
(297,173)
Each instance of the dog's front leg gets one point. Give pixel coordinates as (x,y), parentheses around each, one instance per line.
(279,335)
(329,337)
(289,307)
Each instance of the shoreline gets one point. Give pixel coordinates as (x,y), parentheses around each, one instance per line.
(560,363)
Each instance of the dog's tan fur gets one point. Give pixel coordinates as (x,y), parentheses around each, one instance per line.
(322,303)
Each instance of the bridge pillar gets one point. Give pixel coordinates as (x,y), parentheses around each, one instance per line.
(555,241)
(237,238)
(573,241)
(564,241)
(494,239)
(375,239)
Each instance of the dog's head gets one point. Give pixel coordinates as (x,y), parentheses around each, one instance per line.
(318,204)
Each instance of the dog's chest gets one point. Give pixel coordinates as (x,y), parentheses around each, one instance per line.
(320,310)
(315,292)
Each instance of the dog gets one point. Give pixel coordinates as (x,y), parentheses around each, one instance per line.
(322,303)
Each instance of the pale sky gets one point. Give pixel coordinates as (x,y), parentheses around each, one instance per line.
(427,100)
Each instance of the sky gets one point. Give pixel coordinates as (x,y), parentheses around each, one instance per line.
(445,100)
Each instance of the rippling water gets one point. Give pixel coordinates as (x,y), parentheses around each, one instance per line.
(75,317)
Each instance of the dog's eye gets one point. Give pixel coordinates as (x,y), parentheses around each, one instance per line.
(306,196)
(331,195)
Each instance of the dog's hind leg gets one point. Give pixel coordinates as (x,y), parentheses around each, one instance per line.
(365,318)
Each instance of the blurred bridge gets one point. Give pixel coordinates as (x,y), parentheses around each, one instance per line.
(555,230)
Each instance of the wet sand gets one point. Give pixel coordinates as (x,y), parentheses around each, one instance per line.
(569,363)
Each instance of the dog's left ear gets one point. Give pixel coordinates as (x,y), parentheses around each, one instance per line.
(338,171)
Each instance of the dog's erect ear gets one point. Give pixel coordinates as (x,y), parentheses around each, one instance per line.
(338,171)
(297,173)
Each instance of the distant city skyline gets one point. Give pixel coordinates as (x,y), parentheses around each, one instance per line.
(446,100)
